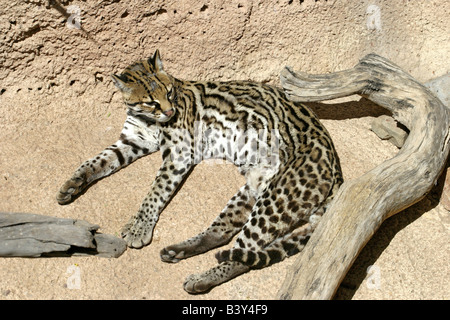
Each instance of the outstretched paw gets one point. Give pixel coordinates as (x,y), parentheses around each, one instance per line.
(199,244)
(182,250)
(196,283)
(137,232)
(171,254)
(71,188)
(200,283)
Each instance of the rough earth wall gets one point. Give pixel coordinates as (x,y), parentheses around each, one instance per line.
(43,48)
(58,107)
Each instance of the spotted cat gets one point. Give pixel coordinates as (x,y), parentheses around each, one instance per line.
(291,168)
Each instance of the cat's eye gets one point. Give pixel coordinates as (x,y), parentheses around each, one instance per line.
(152,104)
(170,94)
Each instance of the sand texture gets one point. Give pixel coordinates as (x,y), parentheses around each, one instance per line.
(58,107)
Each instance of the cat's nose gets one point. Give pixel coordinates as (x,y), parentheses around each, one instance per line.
(168,113)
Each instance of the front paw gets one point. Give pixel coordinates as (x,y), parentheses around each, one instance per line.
(70,189)
(137,232)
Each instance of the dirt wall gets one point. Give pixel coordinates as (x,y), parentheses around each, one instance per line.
(59,107)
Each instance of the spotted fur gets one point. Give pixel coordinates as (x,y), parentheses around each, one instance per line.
(286,154)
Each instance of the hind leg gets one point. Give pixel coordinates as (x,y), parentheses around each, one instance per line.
(276,251)
(224,227)
(279,249)
(282,247)
(285,245)
(287,211)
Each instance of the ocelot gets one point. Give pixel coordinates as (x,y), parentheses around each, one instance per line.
(291,168)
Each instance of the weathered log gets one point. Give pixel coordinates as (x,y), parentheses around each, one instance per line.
(362,204)
(33,235)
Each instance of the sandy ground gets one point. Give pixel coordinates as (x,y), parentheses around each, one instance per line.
(58,108)
(410,253)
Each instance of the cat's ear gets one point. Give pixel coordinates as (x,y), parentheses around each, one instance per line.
(120,82)
(155,61)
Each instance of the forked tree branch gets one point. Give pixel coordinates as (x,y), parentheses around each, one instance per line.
(362,204)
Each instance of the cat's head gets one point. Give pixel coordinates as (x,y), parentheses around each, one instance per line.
(147,89)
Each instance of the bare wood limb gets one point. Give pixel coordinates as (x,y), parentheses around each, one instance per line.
(362,204)
(34,235)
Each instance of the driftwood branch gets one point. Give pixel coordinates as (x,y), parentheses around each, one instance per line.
(362,204)
(33,235)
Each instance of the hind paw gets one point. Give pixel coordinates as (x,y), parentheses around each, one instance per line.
(199,283)
(170,254)
(196,283)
